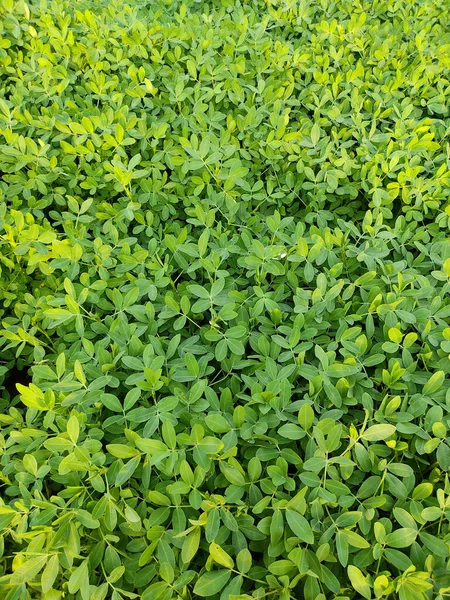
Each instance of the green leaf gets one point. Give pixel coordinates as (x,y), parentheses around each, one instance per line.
(155,591)
(300,526)
(112,402)
(86,519)
(190,546)
(217,423)
(355,540)
(378,432)
(151,446)
(341,370)
(233,475)
(127,471)
(244,560)
(291,431)
(50,573)
(78,577)
(359,582)
(306,416)
(221,557)
(192,364)
(276,527)
(121,451)
(211,583)
(199,291)
(401,538)
(434,383)
(28,570)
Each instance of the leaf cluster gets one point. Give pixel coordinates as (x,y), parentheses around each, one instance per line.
(224,300)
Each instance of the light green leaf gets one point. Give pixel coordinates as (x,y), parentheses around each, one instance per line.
(211,583)
(378,432)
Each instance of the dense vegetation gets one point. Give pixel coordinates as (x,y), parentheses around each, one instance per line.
(224,300)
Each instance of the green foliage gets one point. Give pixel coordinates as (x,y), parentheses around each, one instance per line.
(225,308)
